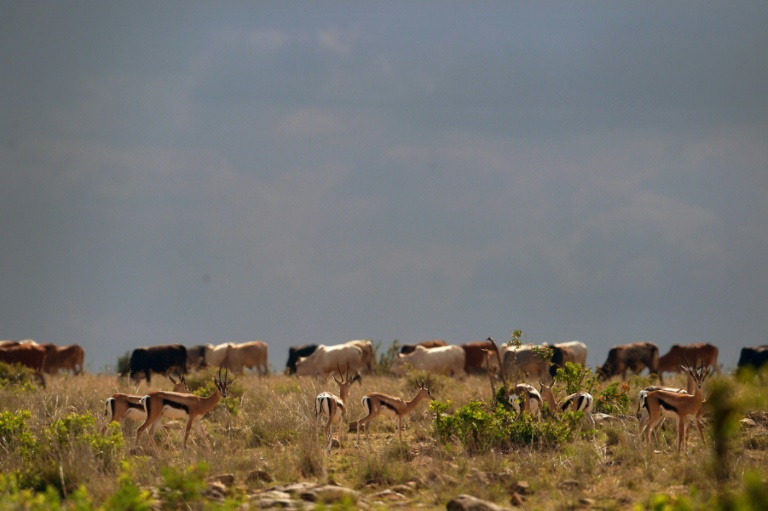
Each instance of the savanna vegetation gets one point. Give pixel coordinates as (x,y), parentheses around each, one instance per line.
(467,441)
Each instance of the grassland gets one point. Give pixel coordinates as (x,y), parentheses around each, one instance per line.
(53,454)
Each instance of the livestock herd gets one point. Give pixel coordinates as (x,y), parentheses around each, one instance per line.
(519,362)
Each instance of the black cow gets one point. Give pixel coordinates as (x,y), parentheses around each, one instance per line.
(753,357)
(159,359)
(295,353)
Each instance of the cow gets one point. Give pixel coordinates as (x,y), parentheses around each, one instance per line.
(159,359)
(475,355)
(753,358)
(327,359)
(69,358)
(635,356)
(526,362)
(297,352)
(409,348)
(367,348)
(31,356)
(196,357)
(251,354)
(448,360)
(694,355)
(574,352)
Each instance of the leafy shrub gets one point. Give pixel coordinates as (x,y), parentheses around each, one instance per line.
(613,399)
(15,433)
(124,364)
(481,427)
(576,378)
(17,376)
(129,496)
(383,360)
(183,487)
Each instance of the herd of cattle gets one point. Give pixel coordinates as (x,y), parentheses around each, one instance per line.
(523,362)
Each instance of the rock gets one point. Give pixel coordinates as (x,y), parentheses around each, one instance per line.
(586,502)
(470,503)
(329,494)
(225,479)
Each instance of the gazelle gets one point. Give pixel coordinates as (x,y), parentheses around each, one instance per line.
(578,402)
(530,397)
(127,406)
(182,406)
(681,406)
(642,411)
(327,404)
(376,403)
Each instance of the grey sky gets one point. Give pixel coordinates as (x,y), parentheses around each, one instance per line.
(317,172)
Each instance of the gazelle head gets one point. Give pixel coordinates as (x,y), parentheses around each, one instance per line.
(697,374)
(181,385)
(424,391)
(346,380)
(223,385)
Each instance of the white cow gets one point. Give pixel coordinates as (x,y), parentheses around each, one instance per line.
(327,359)
(444,360)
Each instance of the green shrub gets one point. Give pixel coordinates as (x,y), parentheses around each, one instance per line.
(613,399)
(180,488)
(576,378)
(481,427)
(15,434)
(17,376)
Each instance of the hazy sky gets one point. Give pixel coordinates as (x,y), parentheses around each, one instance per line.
(314,172)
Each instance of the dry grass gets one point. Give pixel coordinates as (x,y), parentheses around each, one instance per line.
(269,424)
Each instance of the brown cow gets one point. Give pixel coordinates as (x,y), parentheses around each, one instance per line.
(27,355)
(409,348)
(636,356)
(476,360)
(64,357)
(526,362)
(690,355)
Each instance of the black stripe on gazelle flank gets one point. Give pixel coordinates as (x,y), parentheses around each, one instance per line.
(389,406)
(667,406)
(174,404)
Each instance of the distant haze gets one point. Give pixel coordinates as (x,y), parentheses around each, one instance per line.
(315,172)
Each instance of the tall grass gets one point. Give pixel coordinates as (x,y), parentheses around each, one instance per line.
(51,446)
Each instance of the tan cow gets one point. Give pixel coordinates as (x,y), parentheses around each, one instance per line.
(690,355)
(449,360)
(251,355)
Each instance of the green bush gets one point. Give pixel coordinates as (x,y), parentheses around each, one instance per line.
(481,427)
(613,399)
(17,376)
(16,435)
